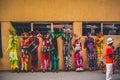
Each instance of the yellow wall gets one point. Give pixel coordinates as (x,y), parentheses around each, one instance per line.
(59,10)
(5,33)
(56,10)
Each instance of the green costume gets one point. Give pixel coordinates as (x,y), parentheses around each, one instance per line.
(13,46)
(54,49)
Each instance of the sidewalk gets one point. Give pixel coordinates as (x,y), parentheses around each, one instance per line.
(86,75)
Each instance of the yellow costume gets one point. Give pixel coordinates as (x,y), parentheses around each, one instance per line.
(99,47)
(13,46)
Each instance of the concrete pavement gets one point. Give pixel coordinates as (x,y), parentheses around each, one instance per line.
(72,75)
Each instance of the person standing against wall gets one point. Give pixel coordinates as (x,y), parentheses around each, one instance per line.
(33,49)
(67,46)
(45,63)
(109,59)
(54,49)
(24,51)
(13,47)
(99,48)
(89,45)
(78,53)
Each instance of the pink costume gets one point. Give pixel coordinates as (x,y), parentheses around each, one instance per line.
(78,54)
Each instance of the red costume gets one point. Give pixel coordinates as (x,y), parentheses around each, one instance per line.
(45,52)
(33,49)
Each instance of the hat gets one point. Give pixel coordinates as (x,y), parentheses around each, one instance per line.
(109,40)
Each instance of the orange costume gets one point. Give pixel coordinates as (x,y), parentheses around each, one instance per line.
(24,51)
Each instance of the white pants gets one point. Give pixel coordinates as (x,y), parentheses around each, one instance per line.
(109,71)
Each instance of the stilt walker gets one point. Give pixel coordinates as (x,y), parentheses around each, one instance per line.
(89,44)
(54,49)
(13,47)
(67,46)
(78,54)
(33,49)
(24,51)
(45,64)
(99,48)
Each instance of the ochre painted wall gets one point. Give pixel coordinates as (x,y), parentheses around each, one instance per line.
(56,10)
(4,61)
(59,10)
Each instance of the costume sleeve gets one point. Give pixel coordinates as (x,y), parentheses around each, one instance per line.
(16,41)
(58,34)
(10,42)
(100,40)
(37,41)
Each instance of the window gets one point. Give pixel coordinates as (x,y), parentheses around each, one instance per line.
(43,28)
(0,43)
(59,25)
(21,27)
(117,29)
(93,27)
(111,29)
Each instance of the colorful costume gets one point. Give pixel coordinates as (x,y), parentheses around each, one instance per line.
(24,60)
(118,54)
(24,51)
(33,49)
(78,54)
(99,47)
(45,64)
(13,46)
(67,47)
(89,44)
(54,50)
